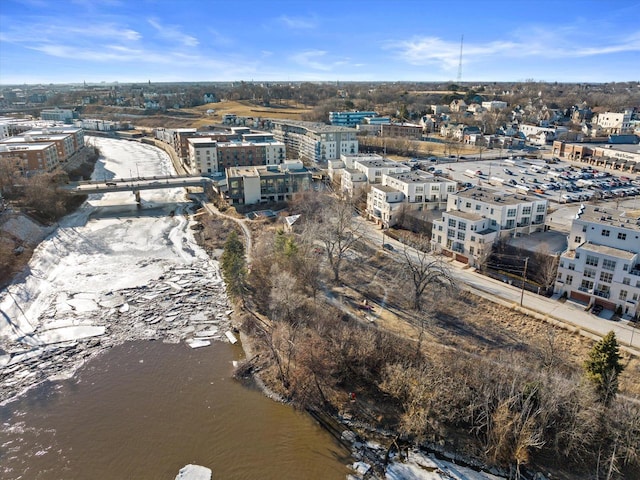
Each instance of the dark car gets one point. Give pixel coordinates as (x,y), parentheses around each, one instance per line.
(597,309)
(388,246)
(111,184)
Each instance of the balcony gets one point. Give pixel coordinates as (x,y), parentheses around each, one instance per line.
(635,271)
(601,293)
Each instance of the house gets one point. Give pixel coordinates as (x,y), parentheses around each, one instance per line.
(601,265)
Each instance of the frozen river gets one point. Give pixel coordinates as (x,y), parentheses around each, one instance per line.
(115,273)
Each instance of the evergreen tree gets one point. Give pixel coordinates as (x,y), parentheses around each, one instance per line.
(603,367)
(233,266)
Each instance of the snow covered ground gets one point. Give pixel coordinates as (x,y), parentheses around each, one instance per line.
(111,272)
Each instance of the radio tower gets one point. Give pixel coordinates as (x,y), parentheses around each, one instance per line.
(460,61)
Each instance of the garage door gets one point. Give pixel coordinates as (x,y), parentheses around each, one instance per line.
(581,297)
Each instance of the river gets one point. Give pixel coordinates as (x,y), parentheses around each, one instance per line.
(137,408)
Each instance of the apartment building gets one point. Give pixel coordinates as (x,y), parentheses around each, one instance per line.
(31,157)
(76,133)
(494,211)
(267,183)
(57,115)
(467,236)
(612,123)
(404,192)
(315,142)
(403,130)
(210,156)
(602,262)
(349,119)
(64,143)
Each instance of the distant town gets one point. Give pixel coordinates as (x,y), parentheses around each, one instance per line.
(548,145)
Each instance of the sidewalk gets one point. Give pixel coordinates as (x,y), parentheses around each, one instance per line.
(551,309)
(568,314)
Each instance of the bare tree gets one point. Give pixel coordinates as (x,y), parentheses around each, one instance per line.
(338,232)
(424,271)
(546,267)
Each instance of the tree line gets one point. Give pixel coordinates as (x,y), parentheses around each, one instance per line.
(510,412)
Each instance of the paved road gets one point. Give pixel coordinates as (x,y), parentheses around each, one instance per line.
(552,309)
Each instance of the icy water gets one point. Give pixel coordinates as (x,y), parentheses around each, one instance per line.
(139,409)
(145,409)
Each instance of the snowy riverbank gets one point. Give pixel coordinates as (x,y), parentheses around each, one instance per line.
(110,272)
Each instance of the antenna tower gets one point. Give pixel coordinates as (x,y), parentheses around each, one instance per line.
(460,61)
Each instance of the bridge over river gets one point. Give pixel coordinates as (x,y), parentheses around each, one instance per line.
(135,185)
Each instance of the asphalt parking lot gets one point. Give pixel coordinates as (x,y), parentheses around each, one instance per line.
(560,183)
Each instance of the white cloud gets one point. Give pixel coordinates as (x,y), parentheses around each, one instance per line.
(307,59)
(297,23)
(540,43)
(173,33)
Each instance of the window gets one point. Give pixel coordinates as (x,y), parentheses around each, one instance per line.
(526,210)
(559,276)
(589,273)
(608,264)
(452,222)
(625,267)
(591,260)
(623,295)
(584,228)
(569,279)
(606,277)
(462,226)
(578,239)
(471,250)
(626,281)
(586,285)
(572,266)
(478,207)
(622,236)
(511,212)
(510,223)
(461,236)
(451,233)
(540,208)
(473,238)
(467,205)
(605,233)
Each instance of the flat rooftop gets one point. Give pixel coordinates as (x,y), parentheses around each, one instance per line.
(496,197)
(607,216)
(610,251)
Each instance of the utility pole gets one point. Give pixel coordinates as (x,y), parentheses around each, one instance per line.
(524,279)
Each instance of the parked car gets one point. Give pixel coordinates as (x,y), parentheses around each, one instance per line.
(388,246)
(508,172)
(597,309)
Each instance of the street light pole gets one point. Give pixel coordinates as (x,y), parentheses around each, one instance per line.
(524,279)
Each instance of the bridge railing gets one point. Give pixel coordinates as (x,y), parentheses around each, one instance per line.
(140,179)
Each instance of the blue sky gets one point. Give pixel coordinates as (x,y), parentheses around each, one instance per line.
(64,41)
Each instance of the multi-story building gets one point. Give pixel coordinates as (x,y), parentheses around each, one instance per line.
(611,122)
(57,115)
(533,130)
(64,143)
(76,133)
(268,183)
(494,105)
(602,262)
(466,235)
(405,192)
(315,142)
(404,130)
(31,157)
(505,214)
(349,119)
(209,156)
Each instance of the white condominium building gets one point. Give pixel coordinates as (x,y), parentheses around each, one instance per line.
(602,262)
